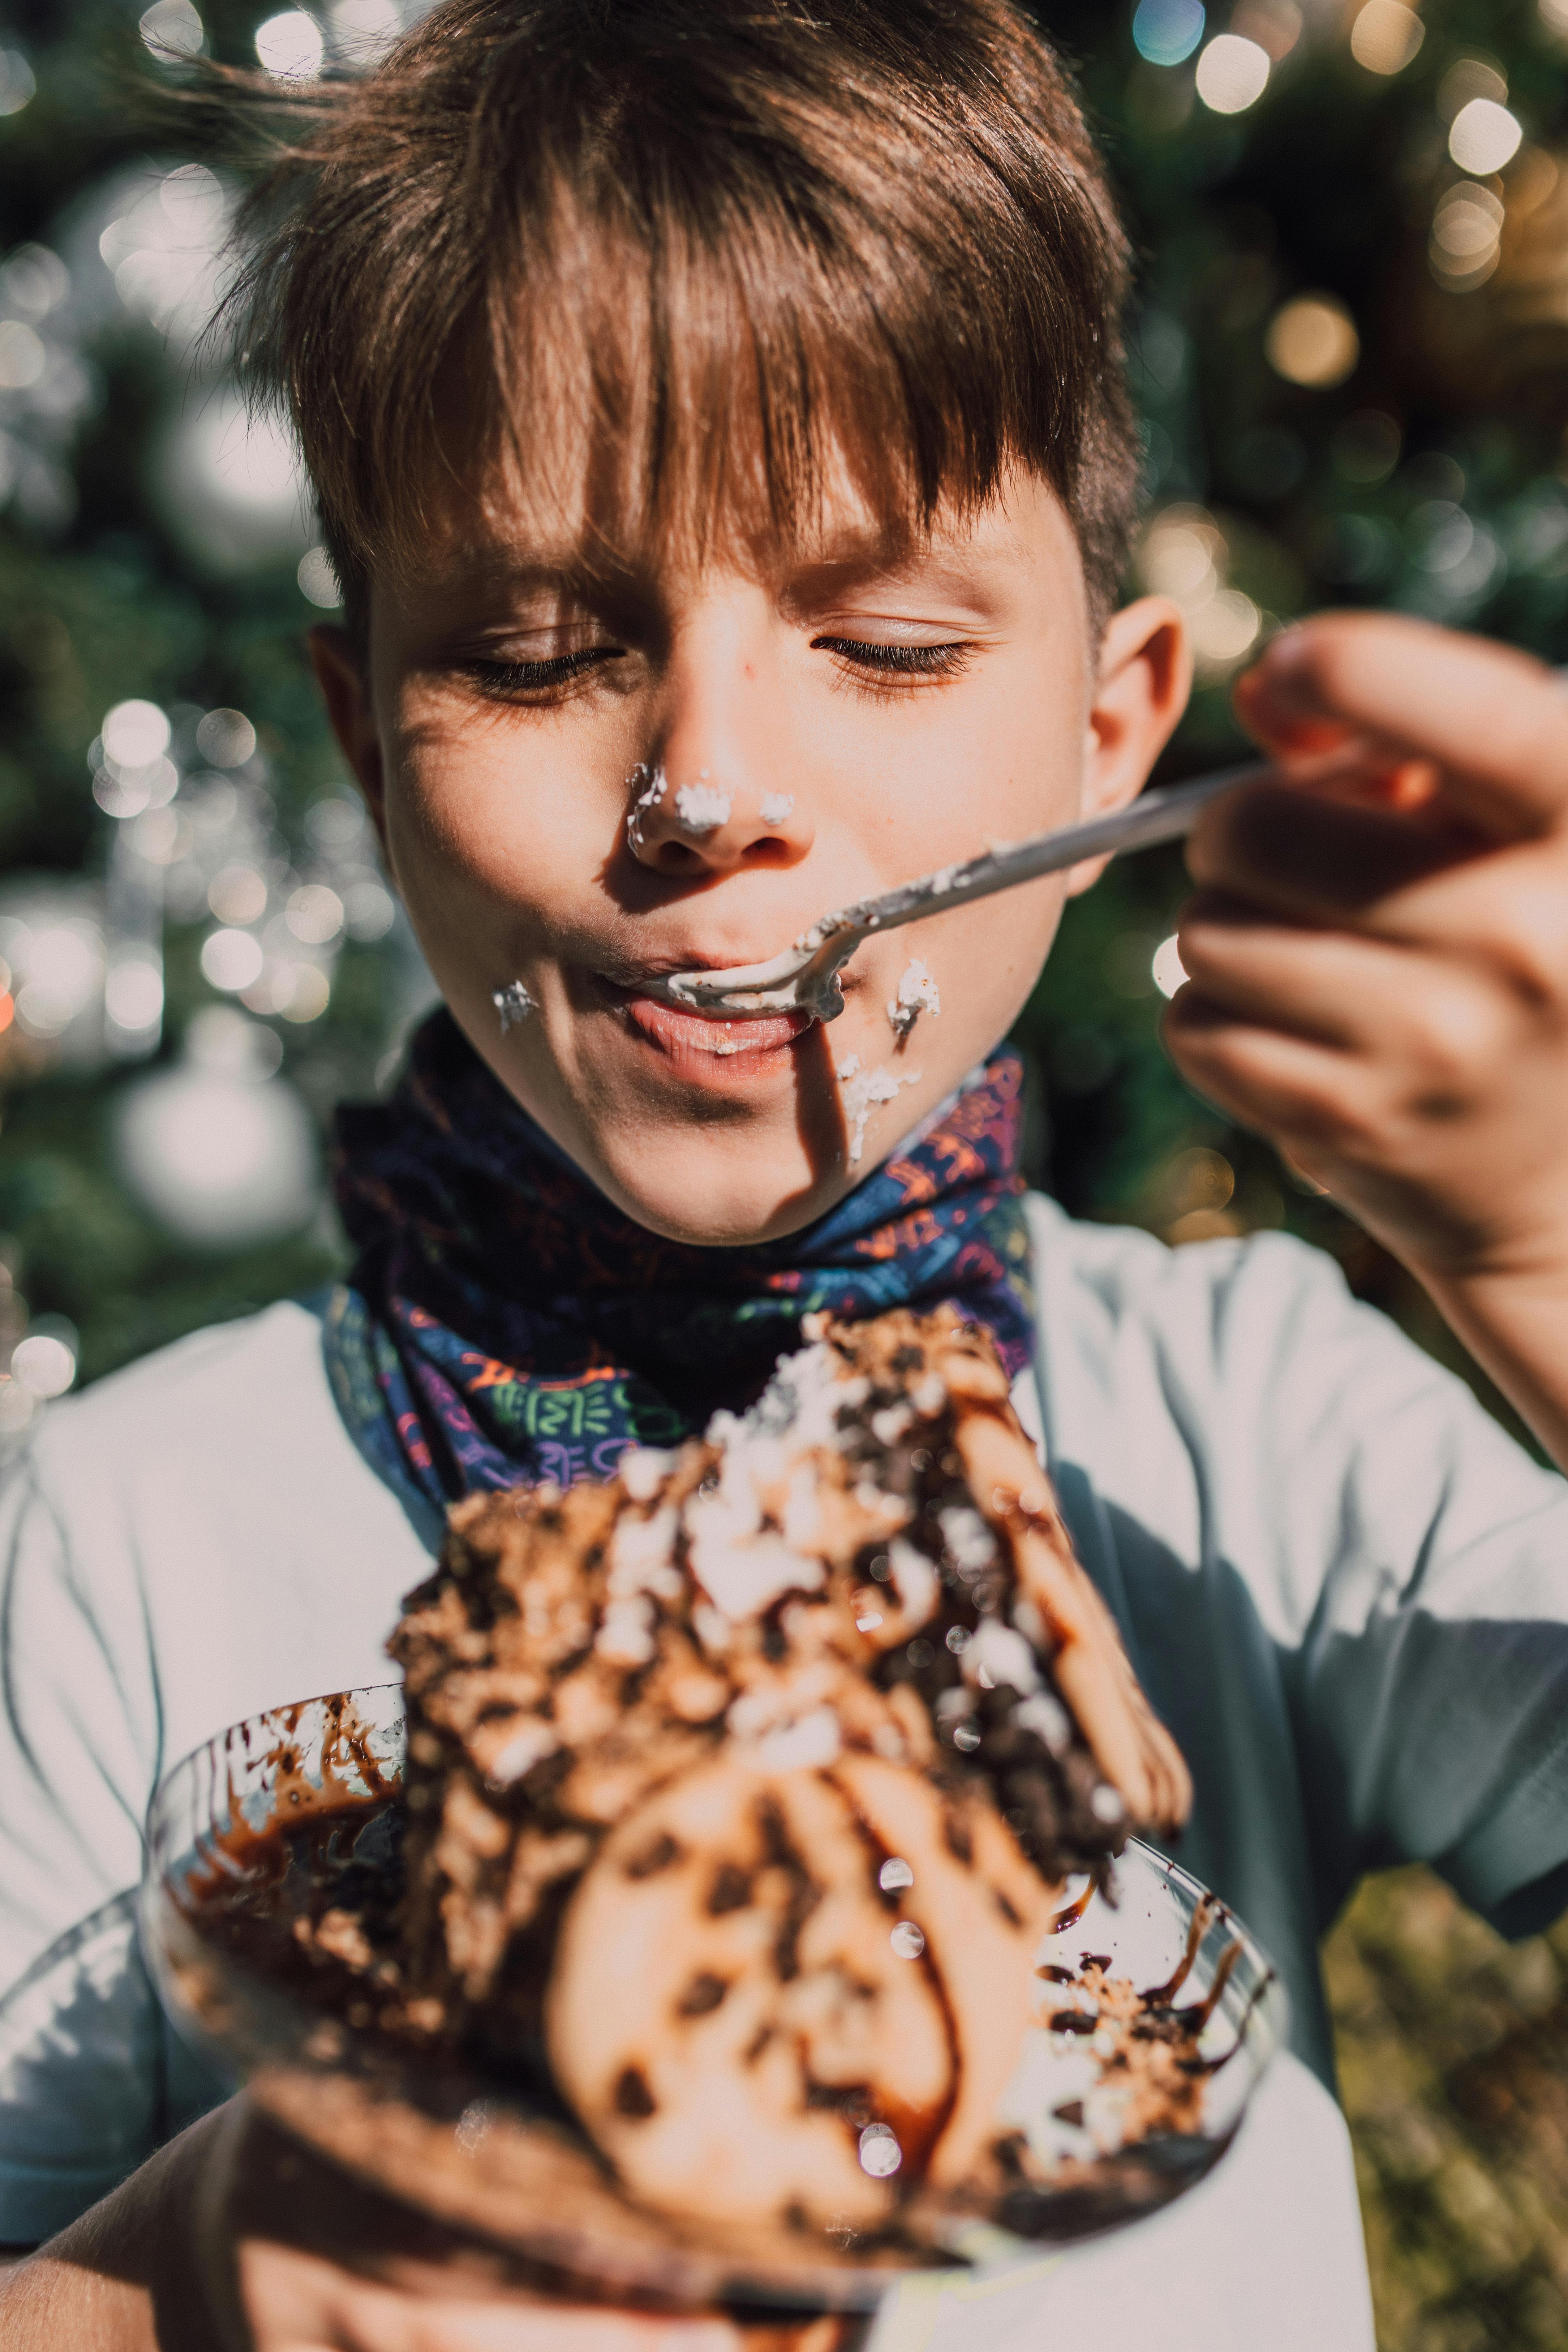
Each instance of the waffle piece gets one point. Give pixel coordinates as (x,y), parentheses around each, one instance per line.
(838,1657)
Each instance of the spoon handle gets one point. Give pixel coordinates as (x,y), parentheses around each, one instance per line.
(1165,814)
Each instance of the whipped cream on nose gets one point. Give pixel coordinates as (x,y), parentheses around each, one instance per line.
(703,808)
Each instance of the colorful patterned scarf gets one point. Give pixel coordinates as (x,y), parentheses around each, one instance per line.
(505,1322)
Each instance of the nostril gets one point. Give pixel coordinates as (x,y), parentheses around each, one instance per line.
(765,853)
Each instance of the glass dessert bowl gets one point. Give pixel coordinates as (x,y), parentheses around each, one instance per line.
(268,1919)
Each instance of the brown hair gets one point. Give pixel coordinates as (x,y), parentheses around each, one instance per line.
(685,251)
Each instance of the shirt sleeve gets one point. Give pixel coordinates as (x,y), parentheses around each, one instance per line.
(1347,1585)
(85,2087)
(1416,1578)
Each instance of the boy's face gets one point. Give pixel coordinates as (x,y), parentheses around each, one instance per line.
(826,726)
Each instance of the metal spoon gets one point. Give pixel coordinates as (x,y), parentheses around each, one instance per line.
(805,977)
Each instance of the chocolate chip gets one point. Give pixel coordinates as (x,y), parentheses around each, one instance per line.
(730,1890)
(653,1858)
(703,1993)
(633,2096)
(1069,2112)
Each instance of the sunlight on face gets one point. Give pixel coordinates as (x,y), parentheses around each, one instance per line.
(587,775)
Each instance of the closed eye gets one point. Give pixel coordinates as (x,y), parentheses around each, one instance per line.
(878,660)
(516,681)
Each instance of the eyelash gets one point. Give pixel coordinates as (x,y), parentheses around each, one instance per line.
(508,681)
(887,662)
(515,680)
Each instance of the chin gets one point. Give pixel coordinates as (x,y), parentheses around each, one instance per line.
(719,1199)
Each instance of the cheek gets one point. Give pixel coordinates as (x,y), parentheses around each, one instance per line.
(485,827)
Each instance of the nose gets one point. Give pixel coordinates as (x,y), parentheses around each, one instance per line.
(716,792)
(707,825)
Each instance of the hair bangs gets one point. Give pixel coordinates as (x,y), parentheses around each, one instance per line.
(664,272)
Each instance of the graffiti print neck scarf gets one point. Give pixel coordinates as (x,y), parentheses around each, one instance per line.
(505,1322)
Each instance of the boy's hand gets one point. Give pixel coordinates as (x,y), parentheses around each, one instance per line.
(301,2258)
(1378,966)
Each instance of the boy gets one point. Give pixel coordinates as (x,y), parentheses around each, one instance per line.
(717,425)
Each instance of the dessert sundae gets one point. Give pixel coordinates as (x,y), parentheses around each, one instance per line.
(742,1790)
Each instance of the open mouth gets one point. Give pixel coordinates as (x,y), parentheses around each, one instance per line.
(697,1040)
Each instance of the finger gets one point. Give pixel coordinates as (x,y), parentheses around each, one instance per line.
(1312,983)
(1432,1018)
(1308,1096)
(1495,720)
(1314,859)
(297,2302)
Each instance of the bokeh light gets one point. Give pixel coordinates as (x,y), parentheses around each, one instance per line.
(1312,340)
(1232,74)
(315,914)
(1386,37)
(17,85)
(45,1363)
(22,355)
(134,733)
(1468,78)
(54,957)
(173,31)
(290,46)
(1167,31)
(1223,629)
(363,30)
(164,245)
(1484,136)
(238,894)
(133,1004)
(231,959)
(220,1149)
(227,738)
(1167,968)
(231,481)
(318,579)
(1466,235)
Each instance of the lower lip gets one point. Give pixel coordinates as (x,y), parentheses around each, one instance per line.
(708,1048)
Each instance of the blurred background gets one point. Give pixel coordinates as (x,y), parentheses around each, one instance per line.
(1352,356)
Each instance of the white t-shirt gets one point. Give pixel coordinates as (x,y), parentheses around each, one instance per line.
(1343,1587)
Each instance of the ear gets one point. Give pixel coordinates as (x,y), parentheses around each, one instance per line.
(1145,678)
(343,679)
